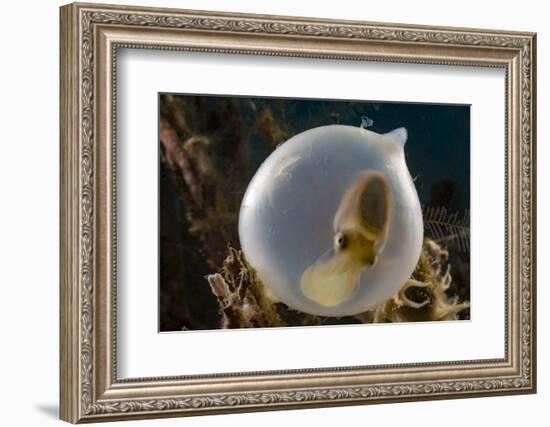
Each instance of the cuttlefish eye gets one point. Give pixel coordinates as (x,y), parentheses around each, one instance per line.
(340,241)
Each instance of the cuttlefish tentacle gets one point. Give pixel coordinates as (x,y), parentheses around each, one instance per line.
(361,228)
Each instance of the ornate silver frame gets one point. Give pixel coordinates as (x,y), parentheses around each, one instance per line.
(90,36)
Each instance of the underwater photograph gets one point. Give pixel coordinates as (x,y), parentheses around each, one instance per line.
(279,212)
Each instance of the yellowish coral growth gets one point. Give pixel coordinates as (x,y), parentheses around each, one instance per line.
(423,297)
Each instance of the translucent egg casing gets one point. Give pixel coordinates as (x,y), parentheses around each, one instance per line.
(287,216)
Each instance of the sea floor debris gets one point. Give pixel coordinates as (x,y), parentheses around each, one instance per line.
(244,300)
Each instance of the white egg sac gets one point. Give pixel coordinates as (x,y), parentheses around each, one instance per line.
(331,221)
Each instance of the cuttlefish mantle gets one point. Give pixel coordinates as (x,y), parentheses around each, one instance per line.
(361,228)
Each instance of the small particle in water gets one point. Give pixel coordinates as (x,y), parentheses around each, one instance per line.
(286,165)
(366,122)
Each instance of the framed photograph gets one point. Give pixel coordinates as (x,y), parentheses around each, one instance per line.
(267,212)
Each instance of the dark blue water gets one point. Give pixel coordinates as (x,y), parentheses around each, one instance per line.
(437,150)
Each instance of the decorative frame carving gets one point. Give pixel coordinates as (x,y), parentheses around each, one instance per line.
(90,36)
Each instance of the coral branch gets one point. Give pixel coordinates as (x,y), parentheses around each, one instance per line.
(242,297)
(424,297)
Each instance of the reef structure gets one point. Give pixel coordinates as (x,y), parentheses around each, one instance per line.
(245,302)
